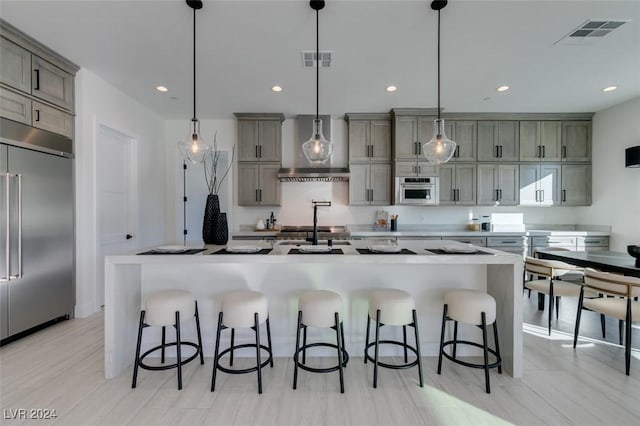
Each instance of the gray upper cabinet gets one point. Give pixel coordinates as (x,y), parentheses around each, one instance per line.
(457,184)
(259,137)
(540,184)
(51,83)
(370,184)
(498,184)
(498,141)
(52,119)
(406,139)
(258,184)
(369,140)
(414,168)
(15,66)
(15,106)
(359,136)
(576,185)
(576,141)
(464,133)
(540,140)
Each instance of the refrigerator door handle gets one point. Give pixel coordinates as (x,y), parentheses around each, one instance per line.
(7,226)
(19,176)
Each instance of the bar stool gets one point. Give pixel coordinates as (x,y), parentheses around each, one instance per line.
(242,309)
(476,308)
(322,309)
(397,308)
(165,308)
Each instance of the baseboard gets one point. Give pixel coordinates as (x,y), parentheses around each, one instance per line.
(84,310)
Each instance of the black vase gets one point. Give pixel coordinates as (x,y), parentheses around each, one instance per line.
(220,229)
(211,208)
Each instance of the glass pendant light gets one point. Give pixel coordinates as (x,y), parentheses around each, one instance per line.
(317,149)
(440,148)
(194,149)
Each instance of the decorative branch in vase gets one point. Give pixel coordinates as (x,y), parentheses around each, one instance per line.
(214,225)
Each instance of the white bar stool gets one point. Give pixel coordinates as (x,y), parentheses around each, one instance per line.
(242,309)
(162,309)
(322,309)
(476,308)
(392,307)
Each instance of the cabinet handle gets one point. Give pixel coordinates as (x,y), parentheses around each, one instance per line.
(37,115)
(500,151)
(537,198)
(260,150)
(419,148)
(564,195)
(257,196)
(260,195)
(538,151)
(497,151)
(564,151)
(500,193)
(542,195)
(371,150)
(257,151)
(497,195)
(543,151)
(37,80)
(456,153)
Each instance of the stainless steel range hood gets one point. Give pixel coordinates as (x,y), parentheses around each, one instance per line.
(302,170)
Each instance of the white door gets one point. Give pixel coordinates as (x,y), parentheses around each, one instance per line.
(116,185)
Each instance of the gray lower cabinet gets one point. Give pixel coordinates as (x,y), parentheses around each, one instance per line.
(15,65)
(51,83)
(370,184)
(540,140)
(498,184)
(258,184)
(540,184)
(576,185)
(457,184)
(498,141)
(588,243)
(514,244)
(576,141)
(476,241)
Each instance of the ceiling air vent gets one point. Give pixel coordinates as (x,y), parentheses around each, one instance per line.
(591,30)
(309,59)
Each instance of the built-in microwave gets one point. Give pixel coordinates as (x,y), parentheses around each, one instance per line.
(417,190)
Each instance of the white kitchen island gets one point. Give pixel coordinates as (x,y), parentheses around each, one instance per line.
(282,276)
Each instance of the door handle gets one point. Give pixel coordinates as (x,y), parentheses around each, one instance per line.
(129,236)
(260,192)
(19,275)
(497,151)
(257,151)
(500,194)
(37,86)
(542,195)
(457,152)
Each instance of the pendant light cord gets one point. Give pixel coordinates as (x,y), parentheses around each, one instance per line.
(194,69)
(438,64)
(317,63)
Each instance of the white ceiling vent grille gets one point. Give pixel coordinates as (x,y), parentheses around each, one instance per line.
(309,59)
(591,30)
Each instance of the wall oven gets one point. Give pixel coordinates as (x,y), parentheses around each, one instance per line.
(417,191)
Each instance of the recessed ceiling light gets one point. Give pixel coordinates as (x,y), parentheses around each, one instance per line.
(609,88)
(276,89)
(391,88)
(502,88)
(162,89)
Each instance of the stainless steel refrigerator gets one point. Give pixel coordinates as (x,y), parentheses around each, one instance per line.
(36,229)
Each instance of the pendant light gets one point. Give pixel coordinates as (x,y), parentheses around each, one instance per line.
(440,148)
(194,149)
(317,149)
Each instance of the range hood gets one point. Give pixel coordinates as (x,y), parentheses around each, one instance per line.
(302,170)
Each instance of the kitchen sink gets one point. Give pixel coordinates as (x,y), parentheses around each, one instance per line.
(307,243)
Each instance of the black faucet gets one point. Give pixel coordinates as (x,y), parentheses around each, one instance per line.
(314,238)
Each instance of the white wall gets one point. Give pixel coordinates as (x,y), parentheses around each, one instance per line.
(97,102)
(616,189)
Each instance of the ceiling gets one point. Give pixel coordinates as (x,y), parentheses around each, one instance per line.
(246,47)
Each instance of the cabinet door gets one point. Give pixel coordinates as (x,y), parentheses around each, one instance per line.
(576,185)
(487,184)
(247,140)
(406,137)
(380,184)
(487,142)
(529,140)
(576,141)
(509,140)
(465,135)
(447,184)
(51,83)
(15,106)
(15,66)
(550,140)
(248,184)
(269,189)
(52,119)
(359,140)
(269,140)
(359,193)
(529,184)
(466,184)
(549,185)
(508,184)
(380,140)
(407,168)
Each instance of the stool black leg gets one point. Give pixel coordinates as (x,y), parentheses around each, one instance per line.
(495,336)
(375,363)
(418,354)
(444,322)
(269,342)
(455,337)
(257,326)
(164,333)
(179,358)
(215,353)
(404,336)
(233,339)
(137,360)
(627,339)
(304,344)
(295,354)
(339,343)
(485,353)
(366,342)
(199,335)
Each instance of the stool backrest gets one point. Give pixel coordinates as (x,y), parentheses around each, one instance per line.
(613,284)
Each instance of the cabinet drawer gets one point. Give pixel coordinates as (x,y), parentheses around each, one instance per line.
(554,241)
(504,242)
(476,241)
(15,106)
(51,119)
(593,241)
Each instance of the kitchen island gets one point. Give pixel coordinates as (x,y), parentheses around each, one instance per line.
(281,276)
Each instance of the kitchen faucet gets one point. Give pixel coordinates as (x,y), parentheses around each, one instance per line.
(314,238)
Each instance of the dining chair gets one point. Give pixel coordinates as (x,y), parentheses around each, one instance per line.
(623,305)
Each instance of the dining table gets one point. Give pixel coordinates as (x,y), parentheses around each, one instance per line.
(607,261)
